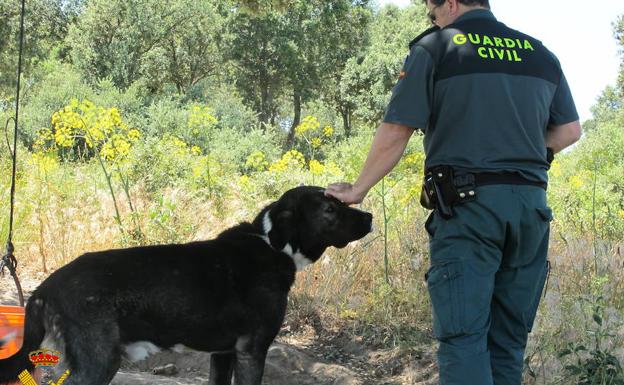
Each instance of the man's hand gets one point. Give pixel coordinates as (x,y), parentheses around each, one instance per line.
(345,192)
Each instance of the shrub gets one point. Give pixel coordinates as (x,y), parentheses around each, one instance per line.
(52,93)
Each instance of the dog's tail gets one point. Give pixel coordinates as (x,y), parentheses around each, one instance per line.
(34,332)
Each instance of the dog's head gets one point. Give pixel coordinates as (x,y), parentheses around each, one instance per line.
(304,222)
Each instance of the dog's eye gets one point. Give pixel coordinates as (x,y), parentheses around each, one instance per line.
(330,209)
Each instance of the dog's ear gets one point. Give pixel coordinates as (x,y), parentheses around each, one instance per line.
(283,229)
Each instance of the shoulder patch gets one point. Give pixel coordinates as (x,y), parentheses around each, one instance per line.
(425,33)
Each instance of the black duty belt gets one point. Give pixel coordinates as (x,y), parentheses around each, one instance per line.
(443,187)
(487,178)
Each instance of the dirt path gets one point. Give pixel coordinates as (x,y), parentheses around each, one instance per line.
(285,365)
(293,361)
(305,358)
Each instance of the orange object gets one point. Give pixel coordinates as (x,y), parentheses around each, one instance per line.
(12,328)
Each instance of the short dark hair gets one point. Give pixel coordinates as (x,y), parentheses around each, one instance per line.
(483,3)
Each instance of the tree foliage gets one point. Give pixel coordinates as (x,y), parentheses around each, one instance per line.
(45,24)
(156,42)
(280,55)
(618,29)
(589,193)
(303,50)
(369,77)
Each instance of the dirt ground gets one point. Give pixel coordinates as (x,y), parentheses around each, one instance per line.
(302,358)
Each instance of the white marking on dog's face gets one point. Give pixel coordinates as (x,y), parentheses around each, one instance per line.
(267,225)
(138,351)
(301,261)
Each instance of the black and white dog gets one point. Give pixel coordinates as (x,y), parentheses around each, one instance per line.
(227,295)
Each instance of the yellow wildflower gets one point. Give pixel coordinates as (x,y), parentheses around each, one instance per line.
(555,168)
(316,142)
(101,128)
(200,118)
(244,181)
(316,167)
(256,161)
(349,314)
(576,181)
(414,159)
(292,160)
(107,152)
(332,168)
(178,142)
(134,134)
(309,123)
(45,161)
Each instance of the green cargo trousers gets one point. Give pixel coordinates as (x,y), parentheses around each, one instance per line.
(488,269)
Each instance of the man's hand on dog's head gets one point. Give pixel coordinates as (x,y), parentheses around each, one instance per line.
(345,192)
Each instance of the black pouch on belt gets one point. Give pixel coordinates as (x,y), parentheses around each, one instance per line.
(439,191)
(427,194)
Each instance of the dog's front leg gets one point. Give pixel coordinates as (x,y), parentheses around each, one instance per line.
(249,367)
(221,368)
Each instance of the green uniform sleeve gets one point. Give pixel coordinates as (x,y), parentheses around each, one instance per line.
(562,108)
(411,100)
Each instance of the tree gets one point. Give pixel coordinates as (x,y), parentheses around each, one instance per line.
(368,78)
(354,38)
(302,50)
(158,42)
(618,28)
(191,53)
(606,108)
(331,32)
(257,53)
(611,101)
(260,6)
(45,26)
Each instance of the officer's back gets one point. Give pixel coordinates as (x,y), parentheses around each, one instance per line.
(492,93)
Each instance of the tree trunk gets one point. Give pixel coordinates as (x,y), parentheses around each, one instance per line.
(296,119)
(264,101)
(346,120)
(265,84)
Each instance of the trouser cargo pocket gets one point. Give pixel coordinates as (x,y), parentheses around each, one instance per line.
(445,284)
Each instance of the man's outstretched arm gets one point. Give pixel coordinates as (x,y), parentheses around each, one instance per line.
(385,152)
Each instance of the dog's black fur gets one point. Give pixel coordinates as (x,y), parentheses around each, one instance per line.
(226,295)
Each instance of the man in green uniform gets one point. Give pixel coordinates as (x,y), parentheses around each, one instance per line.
(494,107)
